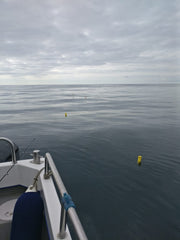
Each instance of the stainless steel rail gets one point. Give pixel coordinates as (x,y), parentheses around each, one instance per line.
(50,168)
(13,152)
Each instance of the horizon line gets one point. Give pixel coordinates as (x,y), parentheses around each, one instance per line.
(56,84)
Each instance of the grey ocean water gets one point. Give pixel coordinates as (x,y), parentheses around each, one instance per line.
(95,149)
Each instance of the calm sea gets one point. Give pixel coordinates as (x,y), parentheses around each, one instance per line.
(96,147)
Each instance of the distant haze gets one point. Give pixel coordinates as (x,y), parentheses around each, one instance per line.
(89,41)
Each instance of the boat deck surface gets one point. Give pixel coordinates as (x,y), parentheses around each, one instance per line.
(7,201)
(11,193)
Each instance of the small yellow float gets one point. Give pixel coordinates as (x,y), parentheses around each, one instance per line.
(139,160)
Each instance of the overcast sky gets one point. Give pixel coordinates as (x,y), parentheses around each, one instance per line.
(89,41)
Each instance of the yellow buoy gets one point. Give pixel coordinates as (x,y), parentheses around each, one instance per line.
(139,160)
(65,114)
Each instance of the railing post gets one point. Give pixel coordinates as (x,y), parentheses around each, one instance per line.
(62,230)
(46,170)
(13,152)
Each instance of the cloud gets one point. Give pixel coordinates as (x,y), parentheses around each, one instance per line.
(89,40)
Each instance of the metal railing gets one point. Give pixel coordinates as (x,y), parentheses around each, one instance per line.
(13,152)
(50,168)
